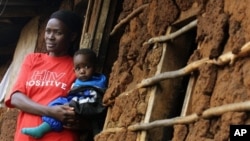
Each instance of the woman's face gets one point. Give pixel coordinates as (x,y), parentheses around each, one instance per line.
(57,37)
(83,67)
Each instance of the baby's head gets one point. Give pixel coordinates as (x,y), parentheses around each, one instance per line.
(84,63)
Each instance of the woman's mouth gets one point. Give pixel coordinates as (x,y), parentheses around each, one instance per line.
(49,45)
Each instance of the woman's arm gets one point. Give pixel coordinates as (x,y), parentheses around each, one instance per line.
(24,103)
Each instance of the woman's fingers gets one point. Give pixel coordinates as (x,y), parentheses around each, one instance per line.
(72,123)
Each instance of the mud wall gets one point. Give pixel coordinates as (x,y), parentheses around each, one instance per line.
(222,26)
(136,61)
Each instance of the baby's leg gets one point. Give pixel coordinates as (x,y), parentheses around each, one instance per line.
(37,132)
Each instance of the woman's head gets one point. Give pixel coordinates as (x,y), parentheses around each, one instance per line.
(84,63)
(62,30)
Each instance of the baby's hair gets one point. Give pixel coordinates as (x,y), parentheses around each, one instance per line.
(89,52)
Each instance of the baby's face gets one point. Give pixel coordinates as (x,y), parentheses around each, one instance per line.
(83,67)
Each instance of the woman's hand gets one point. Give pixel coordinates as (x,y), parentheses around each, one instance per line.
(73,123)
(67,116)
(62,113)
(78,124)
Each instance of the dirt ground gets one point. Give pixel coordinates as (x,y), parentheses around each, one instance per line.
(222,26)
(7,123)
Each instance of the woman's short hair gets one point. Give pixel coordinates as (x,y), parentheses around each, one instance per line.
(72,20)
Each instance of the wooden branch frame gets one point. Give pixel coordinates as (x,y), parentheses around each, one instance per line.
(172,35)
(172,74)
(165,122)
(226,58)
(233,107)
(128,18)
(211,112)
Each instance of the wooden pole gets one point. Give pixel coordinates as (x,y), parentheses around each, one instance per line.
(128,18)
(211,112)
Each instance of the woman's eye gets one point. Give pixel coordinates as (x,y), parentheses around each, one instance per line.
(58,33)
(47,31)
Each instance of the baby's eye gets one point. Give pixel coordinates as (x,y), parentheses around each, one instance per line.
(77,68)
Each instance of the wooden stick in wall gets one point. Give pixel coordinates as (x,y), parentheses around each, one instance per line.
(233,107)
(172,35)
(165,122)
(225,58)
(128,18)
(211,112)
(172,74)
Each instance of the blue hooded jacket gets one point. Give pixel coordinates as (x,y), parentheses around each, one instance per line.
(98,82)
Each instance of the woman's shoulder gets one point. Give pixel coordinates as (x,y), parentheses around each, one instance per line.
(37,55)
(41,57)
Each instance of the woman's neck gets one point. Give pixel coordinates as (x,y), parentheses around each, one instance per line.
(53,54)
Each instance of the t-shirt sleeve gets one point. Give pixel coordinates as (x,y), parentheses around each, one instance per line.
(19,85)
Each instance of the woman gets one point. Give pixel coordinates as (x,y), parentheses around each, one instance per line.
(44,77)
(85,96)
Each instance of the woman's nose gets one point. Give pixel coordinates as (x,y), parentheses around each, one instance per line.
(51,35)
